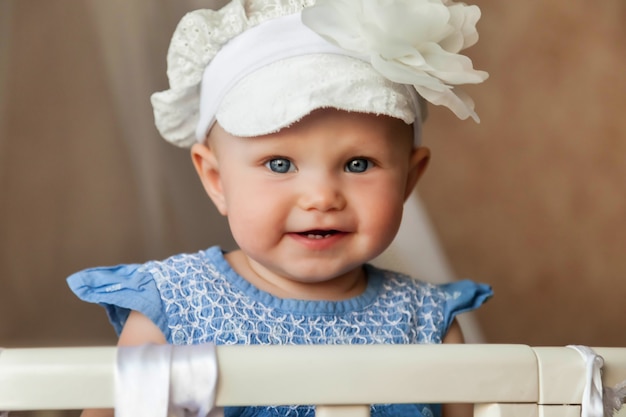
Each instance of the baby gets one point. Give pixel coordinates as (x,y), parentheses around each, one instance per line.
(304,123)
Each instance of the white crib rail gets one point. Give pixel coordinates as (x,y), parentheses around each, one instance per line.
(503,380)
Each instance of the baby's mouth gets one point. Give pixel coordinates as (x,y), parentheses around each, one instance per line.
(318,234)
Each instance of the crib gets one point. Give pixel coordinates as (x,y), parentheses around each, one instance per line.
(500,380)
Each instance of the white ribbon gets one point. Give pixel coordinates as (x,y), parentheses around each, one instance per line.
(166,380)
(142,381)
(599,401)
(193,383)
(592,405)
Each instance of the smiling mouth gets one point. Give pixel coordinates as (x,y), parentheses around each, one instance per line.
(319,234)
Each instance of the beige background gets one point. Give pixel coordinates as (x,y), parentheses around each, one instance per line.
(532,200)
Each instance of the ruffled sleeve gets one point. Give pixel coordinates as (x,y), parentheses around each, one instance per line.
(119,290)
(463,296)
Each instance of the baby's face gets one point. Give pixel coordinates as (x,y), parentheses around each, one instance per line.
(315,201)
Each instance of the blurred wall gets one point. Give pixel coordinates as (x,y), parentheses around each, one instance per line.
(86,179)
(531,200)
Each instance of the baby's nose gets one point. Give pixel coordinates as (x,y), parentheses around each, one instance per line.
(322,194)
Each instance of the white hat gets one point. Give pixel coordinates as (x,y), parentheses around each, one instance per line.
(258,69)
(279,71)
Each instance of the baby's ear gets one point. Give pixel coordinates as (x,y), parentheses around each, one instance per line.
(417,165)
(207,166)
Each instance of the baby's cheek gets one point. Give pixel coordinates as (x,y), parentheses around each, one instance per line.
(386,214)
(252,223)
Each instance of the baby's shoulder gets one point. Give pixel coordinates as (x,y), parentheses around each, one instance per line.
(451,292)
(398,281)
(204,263)
(139,277)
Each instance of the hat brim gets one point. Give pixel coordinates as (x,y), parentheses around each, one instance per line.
(281,93)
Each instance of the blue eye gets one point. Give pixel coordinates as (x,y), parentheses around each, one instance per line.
(358,165)
(280,165)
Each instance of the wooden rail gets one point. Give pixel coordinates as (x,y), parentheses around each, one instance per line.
(502,380)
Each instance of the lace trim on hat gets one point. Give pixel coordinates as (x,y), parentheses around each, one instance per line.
(197,39)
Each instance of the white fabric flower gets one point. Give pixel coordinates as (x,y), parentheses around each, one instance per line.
(415,42)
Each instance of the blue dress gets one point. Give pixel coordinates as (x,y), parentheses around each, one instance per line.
(199,298)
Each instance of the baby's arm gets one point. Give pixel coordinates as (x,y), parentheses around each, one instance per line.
(455,335)
(138,330)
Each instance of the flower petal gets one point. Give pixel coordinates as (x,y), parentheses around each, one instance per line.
(452,68)
(455,99)
(335,23)
(463,18)
(397,72)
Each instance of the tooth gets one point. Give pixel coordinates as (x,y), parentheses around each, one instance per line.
(318,236)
